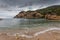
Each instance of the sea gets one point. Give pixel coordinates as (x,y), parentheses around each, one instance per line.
(15,23)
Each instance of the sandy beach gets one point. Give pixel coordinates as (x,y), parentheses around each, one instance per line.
(32,34)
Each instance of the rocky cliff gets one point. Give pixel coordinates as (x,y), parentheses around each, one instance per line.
(29,14)
(41,13)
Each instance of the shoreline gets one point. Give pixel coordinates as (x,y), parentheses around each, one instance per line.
(31,34)
(34,34)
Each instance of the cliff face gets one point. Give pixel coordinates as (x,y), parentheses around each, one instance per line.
(29,14)
(53,11)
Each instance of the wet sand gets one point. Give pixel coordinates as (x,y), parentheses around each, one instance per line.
(31,34)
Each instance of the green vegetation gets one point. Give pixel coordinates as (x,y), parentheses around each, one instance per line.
(52,9)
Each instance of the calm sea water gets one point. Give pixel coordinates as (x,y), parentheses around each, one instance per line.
(27,23)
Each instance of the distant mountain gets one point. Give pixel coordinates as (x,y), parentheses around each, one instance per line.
(40,13)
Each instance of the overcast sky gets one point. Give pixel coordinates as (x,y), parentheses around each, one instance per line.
(9,8)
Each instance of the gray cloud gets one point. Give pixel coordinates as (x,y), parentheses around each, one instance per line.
(7,7)
(6,4)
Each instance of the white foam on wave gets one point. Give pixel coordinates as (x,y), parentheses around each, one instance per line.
(36,34)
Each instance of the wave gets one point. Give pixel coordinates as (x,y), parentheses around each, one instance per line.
(34,35)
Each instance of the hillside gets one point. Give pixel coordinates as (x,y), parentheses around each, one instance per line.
(52,9)
(41,13)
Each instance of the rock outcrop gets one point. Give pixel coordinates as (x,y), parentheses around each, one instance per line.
(29,15)
(52,12)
